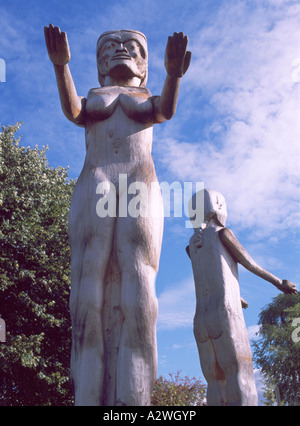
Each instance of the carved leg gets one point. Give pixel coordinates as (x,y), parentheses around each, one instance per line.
(138,249)
(235,359)
(89,263)
(215,377)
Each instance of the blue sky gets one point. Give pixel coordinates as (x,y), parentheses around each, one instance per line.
(237,127)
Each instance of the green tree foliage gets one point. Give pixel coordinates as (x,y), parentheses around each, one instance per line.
(178,391)
(34,276)
(277,351)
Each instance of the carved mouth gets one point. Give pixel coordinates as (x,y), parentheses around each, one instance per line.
(122,56)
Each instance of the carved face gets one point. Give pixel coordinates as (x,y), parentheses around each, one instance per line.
(205,205)
(122,54)
(214,202)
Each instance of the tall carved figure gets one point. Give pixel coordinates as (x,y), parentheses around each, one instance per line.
(219,325)
(115,257)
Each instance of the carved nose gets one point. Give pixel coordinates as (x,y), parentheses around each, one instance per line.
(121,49)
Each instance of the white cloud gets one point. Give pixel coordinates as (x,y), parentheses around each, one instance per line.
(177,306)
(249,148)
(253,331)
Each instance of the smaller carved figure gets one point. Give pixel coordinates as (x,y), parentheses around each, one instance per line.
(219,325)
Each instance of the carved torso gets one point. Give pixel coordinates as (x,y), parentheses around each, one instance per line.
(217,287)
(119,132)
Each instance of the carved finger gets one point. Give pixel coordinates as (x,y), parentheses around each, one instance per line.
(47,38)
(171,48)
(185,41)
(187,61)
(183,44)
(64,40)
(171,42)
(57,34)
(59,40)
(51,38)
(178,35)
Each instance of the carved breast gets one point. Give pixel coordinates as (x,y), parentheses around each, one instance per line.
(135,102)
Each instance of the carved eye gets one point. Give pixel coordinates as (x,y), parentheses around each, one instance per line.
(133,46)
(108,45)
(128,46)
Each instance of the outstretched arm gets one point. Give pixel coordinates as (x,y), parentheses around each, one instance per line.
(59,54)
(242,256)
(177,61)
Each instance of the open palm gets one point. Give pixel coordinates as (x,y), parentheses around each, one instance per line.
(57,45)
(177,59)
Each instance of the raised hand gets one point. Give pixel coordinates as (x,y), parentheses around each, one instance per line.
(57,45)
(287,287)
(177,58)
